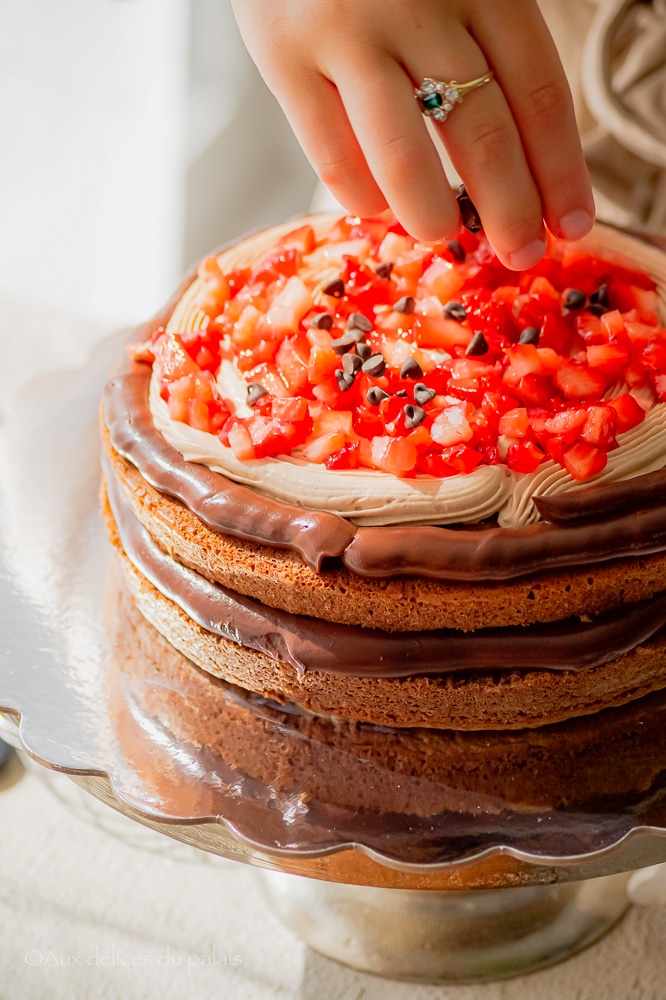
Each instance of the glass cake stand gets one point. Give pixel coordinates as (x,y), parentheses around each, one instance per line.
(433,857)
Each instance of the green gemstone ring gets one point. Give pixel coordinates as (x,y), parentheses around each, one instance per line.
(437,98)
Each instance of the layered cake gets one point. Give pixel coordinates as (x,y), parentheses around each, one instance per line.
(398,483)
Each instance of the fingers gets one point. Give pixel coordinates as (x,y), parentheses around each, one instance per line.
(346,79)
(484,144)
(384,116)
(539,99)
(320,122)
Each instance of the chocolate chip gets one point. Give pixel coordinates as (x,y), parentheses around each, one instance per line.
(411,369)
(403,393)
(335,288)
(375,365)
(384,270)
(457,250)
(344,379)
(363,350)
(351,363)
(375,395)
(574,299)
(324,321)
(529,335)
(357,321)
(348,340)
(599,302)
(255,391)
(414,416)
(468,213)
(600,297)
(422,394)
(404,305)
(478,345)
(454,310)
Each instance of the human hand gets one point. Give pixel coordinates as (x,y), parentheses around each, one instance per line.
(345,73)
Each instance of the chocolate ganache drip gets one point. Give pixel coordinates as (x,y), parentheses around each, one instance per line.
(314,644)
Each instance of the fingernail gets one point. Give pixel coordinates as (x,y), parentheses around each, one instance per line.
(527,256)
(574,225)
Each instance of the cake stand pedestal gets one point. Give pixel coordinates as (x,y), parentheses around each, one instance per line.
(441,936)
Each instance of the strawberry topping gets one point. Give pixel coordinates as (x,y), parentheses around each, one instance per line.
(417,359)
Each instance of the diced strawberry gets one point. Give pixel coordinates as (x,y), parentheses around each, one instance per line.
(524,456)
(461,458)
(640,334)
(214,288)
(327,421)
(542,286)
(433,329)
(522,359)
(318,449)
(347,457)
(583,461)
(393,246)
(391,410)
(556,333)
(244,329)
(452,425)
(206,359)
(292,360)
(262,351)
(218,414)
(514,423)
(629,411)
(555,447)
(607,358)
(367,422)
(442,279)
(289,307)
(240,442)
(301,239)
(600,427)
(536,390)
(613,323)
(396,455)
(590,328)
(327,391)
(197,415)
(654,355)
(566,425)
(283,262)
(323,360)
(407,269)
(577,382)
(266,374)
(173,359)
(288,409)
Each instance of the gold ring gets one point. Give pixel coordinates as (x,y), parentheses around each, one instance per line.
(438,98)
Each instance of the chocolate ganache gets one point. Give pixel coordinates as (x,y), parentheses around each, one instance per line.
(313,644)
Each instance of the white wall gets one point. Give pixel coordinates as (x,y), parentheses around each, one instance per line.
(134,135)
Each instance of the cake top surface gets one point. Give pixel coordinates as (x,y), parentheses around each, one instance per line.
(340,365)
